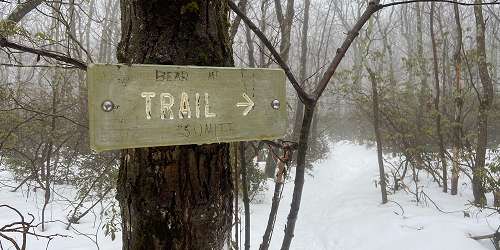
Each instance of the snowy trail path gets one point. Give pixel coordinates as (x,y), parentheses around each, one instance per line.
(341,210)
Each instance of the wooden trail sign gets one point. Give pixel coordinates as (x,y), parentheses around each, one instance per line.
(158,105)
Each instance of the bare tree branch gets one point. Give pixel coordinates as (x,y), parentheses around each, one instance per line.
(304,97)
(22,9)
(37,66)
(45,53)
(437,1)
(242,5)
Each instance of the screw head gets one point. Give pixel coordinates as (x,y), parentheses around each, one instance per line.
(108,106)
(275,104)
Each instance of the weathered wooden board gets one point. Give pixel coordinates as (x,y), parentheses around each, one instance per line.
(158,105)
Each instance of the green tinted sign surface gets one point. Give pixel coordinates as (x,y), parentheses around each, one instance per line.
(157,105)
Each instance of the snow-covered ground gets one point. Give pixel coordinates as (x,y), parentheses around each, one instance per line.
(84,235)
(340,210)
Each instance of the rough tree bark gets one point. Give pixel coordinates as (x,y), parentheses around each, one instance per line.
(484,106)
(457,118)
(177,197)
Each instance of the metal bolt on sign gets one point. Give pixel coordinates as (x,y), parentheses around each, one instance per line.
(108,106)
(275,104)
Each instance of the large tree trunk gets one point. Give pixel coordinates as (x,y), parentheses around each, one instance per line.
(457,126)
(176,197)
(484,106)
